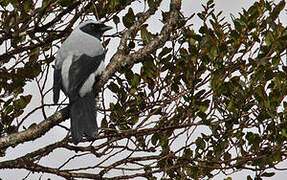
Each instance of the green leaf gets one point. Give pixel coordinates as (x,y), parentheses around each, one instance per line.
(8,110)
(284,133)
(129,75)
(104,123)
(269,39)
(11,129)
(164,142)
(227,156)
(229,178)
(66,3)
(204,105)
(150,3)
(266,174)
(116,19)
(201,16)
(113,87)
(276,61)
(164,52)
(129,18)
(231,107)
(188,153)
(112,106)
(214,51)
(249,177)
(135,80)
(200,144)
(164,16)
(34,54)
(210,2)
(155,139)
(149,68)
(4,2)
(133,90)
(276,11)
(44,4)
(146,35)
(106,42)
(113,4)
(131,45)
(276,156)
(134,120)
(22,102)
(28,5)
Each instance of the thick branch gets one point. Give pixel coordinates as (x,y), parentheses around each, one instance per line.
(118,60)
(35,131)
(24,163)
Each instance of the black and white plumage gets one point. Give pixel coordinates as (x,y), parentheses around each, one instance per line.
(79,63)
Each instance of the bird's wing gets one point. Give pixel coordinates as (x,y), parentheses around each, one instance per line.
(79,72)
(57,84)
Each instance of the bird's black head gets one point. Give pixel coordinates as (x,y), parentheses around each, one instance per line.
(94,28)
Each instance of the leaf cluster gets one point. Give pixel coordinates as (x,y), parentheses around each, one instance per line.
(229,78)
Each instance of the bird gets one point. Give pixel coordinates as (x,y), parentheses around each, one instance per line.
(78,66)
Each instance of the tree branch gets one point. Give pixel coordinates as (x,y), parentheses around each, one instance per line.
(118,60)
(36,131)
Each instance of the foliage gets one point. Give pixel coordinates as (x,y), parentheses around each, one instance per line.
(204,102)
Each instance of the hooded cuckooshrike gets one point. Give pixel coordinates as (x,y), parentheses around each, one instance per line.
(79,63)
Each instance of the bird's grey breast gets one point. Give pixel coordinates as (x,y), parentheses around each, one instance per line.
(79,43)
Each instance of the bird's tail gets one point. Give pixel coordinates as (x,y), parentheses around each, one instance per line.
(83,116)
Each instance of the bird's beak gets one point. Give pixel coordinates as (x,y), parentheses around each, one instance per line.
(106,28)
